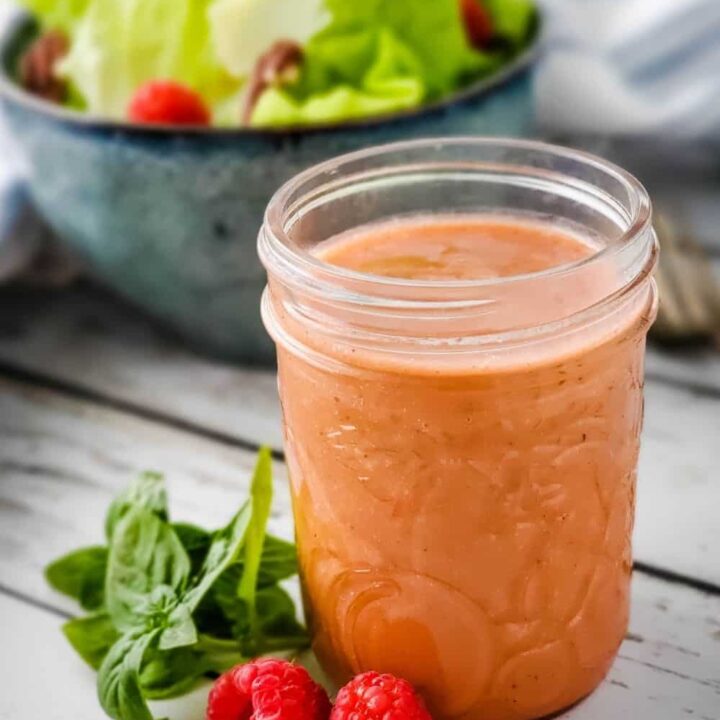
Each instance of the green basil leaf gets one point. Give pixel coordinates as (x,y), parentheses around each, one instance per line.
(277,617)
(170,673)
(180,629)
(163,609)
(196,542)
(118,680)
(91,637)
(224,549)
(146,491)
(179,602)
(261,492)
(220,654)
(145,555)
(209,617)
(81,576)
(215,614)
(278,562)
(277,625)
(234,609)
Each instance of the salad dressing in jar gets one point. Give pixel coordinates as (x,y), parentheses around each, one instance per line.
(460,328)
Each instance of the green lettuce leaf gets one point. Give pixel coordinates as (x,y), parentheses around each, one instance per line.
(376,57)
(431,29)
(242,30)
(57,14)
(513,20)
(390,82)
(118,46)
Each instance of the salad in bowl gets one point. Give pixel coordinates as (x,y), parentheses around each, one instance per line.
(265,63)
(156,131)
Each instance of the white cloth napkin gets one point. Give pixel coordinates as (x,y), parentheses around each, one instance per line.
(25,240)
(631,66)
(20,230)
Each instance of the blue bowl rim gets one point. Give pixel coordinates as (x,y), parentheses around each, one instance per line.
(10,91)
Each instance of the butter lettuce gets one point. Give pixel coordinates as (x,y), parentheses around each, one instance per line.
(117,46)
(58,14)
(242,30)
(376,75)
(431,29)
(377,57)
(512,19)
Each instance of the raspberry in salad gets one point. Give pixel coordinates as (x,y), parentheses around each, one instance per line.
(164,102)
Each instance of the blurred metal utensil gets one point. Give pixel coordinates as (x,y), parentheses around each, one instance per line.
(689,291)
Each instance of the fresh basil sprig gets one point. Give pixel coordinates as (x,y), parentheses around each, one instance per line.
(146,491)
(147,569)
(172,602)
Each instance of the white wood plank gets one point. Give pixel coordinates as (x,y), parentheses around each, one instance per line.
(678,502)
(698,366)
(669,668)
(43,678)
(61,461)
(88,338)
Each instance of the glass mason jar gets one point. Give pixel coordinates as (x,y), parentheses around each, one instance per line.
(462,453)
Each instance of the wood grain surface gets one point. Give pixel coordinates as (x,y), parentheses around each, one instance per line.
(91,393)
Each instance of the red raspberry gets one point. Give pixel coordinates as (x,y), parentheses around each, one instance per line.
(226,702)
(372,696)
(267,690)
(478,23)
(164,102)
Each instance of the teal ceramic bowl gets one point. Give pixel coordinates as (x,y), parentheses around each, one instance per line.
(168,218)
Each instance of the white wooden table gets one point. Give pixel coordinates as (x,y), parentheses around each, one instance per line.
(91,393)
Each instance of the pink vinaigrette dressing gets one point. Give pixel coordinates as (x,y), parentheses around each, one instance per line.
(464,519)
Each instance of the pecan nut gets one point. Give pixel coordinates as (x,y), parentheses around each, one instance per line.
(37,66)
(280,65)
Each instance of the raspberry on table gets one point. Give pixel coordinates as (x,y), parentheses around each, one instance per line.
(267,689)
(376,696)
(166,102)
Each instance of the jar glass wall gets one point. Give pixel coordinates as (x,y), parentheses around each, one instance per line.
(462,453)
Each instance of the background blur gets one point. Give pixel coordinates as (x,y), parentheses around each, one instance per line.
(130,335)
(633,80)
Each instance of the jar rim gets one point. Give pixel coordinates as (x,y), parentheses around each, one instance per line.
(299,267)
